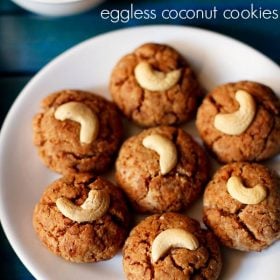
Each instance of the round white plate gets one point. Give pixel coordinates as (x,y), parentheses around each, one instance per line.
(215,58)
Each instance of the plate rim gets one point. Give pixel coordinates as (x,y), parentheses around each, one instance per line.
(56,60)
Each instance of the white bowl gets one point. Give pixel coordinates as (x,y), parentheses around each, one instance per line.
(57,7)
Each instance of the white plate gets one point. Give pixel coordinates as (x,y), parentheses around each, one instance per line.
(216,59)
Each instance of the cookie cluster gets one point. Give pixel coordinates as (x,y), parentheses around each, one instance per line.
(162,170)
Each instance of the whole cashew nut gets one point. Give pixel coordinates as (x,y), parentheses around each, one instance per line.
(165,148)
(93,208)
(82,114)
(172,238)
(245,195)
(237,122)
(153,80)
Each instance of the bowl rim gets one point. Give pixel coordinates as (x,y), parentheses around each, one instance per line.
(56,2)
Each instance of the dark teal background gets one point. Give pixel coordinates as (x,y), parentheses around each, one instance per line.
(28,42)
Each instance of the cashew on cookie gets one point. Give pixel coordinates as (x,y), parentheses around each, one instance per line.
(82,114)
(93,208)
(237,122)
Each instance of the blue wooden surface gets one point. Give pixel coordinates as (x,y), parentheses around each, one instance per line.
(29,41)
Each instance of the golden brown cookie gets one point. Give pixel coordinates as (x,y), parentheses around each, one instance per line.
(156,236)
(77,131)
(139,170)
(82,218)
(238,224)
(250,131)
(154,85)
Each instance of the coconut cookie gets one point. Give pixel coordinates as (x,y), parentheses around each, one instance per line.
(77,131)
(154,85)
(82,218)
(242,206)
(240,122)
(161,169)
(171,246)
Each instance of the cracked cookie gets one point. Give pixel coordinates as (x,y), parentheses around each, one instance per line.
(157,248)
(161,169)
(242,206)
(77,131)
(240,122)
(82,218)
(154,85)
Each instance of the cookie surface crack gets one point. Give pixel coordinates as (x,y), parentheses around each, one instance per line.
(266,139)
(241,223)
(180,268)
